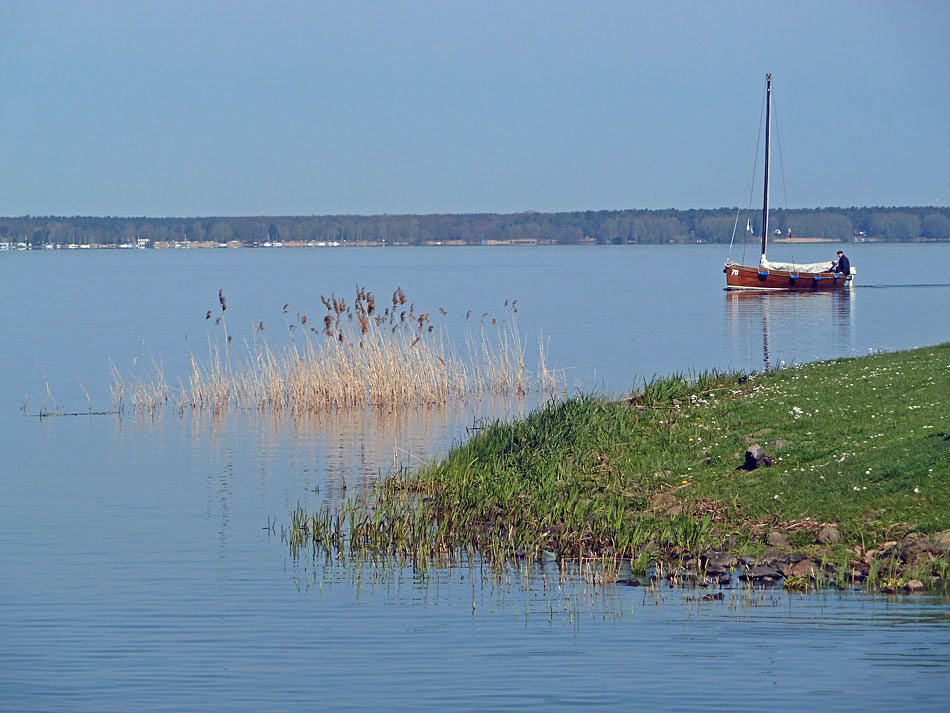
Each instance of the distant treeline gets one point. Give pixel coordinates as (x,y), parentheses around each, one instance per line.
(604,226)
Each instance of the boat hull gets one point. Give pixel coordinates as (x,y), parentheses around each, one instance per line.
(744,277)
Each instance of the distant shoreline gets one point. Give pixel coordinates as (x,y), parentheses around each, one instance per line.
(603,227)
(233,244)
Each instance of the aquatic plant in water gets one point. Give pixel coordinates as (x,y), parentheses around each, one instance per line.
(355,356)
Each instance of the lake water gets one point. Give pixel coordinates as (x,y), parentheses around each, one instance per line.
(137,569)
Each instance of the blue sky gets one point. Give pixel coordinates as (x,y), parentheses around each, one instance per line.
(284,108)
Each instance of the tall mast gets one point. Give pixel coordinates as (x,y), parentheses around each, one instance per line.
(765,197)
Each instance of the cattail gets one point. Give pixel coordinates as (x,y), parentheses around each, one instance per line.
(402,316)
(217,321)
(303,319)
(442,311)
(224,305)
(430,327)
(468,314)
(325,302)
(414,342)
(286,306)
(208,316)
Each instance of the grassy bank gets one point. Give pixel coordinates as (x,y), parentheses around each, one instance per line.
(855,486)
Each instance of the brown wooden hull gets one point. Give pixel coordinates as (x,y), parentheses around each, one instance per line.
(744,277)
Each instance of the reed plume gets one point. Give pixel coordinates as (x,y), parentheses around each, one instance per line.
(350,363)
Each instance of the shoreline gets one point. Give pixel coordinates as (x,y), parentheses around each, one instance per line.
(781,478)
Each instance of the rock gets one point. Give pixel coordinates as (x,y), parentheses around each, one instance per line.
(662,501)
(777,538)
(941,542)
(914,586)
(794,557)
(761,572)
(717,597)
(755,458)
(803,567)
(722,561)
(829,535)
(773,557)
(858,571)
(781,443)
(915,547)
(629,582)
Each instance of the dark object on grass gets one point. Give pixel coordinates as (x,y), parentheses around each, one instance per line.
(755,458)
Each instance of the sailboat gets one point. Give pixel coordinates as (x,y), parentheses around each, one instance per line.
(769,275)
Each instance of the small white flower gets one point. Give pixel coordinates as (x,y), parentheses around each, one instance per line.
(916,490)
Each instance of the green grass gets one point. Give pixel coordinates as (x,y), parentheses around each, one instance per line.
(655,477)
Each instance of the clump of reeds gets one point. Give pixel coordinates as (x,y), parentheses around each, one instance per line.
(354,356)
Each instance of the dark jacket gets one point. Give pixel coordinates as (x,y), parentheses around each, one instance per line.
(844,265)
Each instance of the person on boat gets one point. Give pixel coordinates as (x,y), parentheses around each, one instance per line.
(843,265)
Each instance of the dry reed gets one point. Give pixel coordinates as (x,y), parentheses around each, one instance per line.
(359,357)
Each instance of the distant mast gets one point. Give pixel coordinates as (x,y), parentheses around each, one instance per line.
(765,197)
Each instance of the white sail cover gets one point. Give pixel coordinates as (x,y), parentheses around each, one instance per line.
(795,267)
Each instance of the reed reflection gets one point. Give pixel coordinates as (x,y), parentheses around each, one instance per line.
(323,456)
(790,326)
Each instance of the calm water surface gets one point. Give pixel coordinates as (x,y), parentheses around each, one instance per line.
(137,571)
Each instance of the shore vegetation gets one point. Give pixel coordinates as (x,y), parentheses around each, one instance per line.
(835,472)
(357,354)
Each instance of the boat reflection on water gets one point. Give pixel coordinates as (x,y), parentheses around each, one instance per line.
(795,327)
